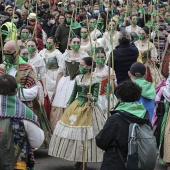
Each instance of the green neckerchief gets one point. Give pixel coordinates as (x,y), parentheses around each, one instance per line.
(148,90)
(75,25)
(135,108)
(14,65)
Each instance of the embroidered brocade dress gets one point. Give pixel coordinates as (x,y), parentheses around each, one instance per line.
(51,60)
(88,48)
(69,68)
(166,60)
(39,110)
(105,42)
(69,134)
(153,74)
(102,100)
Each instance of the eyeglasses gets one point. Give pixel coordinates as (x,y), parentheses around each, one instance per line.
(76,42)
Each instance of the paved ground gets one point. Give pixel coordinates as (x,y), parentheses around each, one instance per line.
(45,162)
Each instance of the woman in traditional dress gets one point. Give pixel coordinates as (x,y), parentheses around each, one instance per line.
(68,68)
(23,53)
(94,32)
(101,71)
(81,121)
(110,39)
(86,44)
(25,34)
(37,62)
(51,57)
(133,27)
(166,59)
(149,56)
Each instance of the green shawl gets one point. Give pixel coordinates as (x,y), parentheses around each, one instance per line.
(135,108)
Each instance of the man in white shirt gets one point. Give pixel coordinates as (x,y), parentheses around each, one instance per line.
(26,73)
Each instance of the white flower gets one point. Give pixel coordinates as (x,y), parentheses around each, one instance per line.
(72,119)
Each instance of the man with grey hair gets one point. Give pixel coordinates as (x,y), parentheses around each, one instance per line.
(124,56)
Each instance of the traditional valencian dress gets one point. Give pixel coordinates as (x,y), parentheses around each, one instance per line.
(102,99)
(39,110)
(80,118)
(52,61)
(69,68)
(106,41)
(166,60)
(88,47)
(153,74)
(95,34)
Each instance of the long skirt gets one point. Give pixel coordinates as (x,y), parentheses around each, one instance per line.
(63,93)
(56,113)
(51,81)
(74,127)
(103,102)
(43,121)
(165,63)
(153,74)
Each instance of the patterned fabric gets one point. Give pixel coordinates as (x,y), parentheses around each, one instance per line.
(43,121)
(72,150)
(159,92)
(21,141)
(82,89)
(12,107)
(27,77)
(164,123)
(161,41)
(166,156)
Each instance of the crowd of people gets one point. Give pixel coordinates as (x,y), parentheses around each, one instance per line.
(65,64)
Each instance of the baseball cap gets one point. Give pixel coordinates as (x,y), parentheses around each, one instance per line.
(8,6)
(138,69)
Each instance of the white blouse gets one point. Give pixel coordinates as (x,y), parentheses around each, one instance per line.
(39,64)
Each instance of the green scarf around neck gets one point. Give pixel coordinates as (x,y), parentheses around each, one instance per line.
(134,108)
(14,65)
(148,90)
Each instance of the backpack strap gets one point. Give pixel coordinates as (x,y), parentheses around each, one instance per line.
(118,112)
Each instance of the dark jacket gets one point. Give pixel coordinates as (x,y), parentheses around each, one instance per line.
(62,34)
(48,29)
(54,29)
(124,57)
(115,134)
